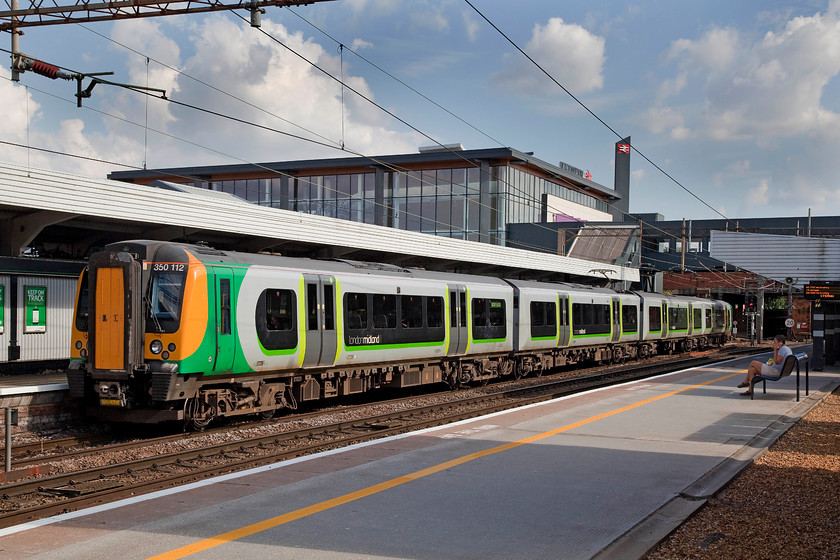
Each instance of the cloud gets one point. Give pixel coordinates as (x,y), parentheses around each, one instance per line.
(15,95)
(739,167)
(359,44)
(719,47)
(770,87)
(373,6)
(471,26)
(660,119)
(568,52)
(243,74)
(637,175)
(274,88)
(759,195)
(431,19)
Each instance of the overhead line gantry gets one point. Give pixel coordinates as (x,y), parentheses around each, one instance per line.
(41,12)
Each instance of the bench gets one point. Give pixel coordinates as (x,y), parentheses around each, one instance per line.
(792,361)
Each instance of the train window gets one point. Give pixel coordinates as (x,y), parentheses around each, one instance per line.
(721,319)
(82,308)
(329,307)
(276,319)
(698,318)
(551,314)
(356,311)
(312,307)
(537,314)
(278,310)
(543,319)
(708,318)
(224,305)
(629,319)
(678,319)
(384,311)
(383,327)
(167,292)
(463,305)
(411,312)
(488,319)
(434,312)
(655,319)
(591,318)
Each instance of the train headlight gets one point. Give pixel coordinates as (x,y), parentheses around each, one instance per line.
(109,389)
(171,347)
(165,355)
(156,347)
(78,345)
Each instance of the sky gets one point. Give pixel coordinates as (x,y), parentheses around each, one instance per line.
(736,105)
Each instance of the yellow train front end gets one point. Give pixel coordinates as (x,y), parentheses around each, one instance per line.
(128,337)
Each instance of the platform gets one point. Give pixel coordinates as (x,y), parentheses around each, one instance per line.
(40,399)
(34,383)
(600,475)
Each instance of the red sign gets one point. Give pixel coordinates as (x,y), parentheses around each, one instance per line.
(623,148)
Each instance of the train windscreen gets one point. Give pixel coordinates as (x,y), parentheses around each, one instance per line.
(166,297)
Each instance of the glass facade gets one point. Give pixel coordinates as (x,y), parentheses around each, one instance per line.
(451,202)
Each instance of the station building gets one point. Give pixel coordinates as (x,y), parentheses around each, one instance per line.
(444,190)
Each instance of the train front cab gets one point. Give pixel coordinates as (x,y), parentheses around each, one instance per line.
(136,344)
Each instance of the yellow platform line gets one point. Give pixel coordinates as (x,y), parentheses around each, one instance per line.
(279,520)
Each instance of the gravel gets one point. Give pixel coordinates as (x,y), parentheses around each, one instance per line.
(784,506)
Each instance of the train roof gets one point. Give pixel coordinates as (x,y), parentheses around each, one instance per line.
(210,255)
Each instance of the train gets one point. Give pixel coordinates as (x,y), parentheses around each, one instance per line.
(177,332)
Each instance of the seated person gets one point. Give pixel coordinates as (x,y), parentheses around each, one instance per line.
(771,369)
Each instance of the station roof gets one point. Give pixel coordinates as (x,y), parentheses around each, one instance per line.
(78,214)
(413,161)
(789,259)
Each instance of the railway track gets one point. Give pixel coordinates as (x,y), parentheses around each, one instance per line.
(144,466)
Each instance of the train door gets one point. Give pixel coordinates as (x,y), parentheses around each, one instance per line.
(458,334)
(691,319)
(665,330)
(225,325)
(321,337)
(115,325)
(563,321)
(616,319)
(109,335)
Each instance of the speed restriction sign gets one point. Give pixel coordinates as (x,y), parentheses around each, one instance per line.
(789,323)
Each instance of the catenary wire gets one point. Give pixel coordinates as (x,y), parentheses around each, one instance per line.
(591,112)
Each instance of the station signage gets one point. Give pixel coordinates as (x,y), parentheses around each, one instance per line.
(822,290)
(36,309)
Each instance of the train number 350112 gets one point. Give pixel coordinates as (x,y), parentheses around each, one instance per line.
(169,267)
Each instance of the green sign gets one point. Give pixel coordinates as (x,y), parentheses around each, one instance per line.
(2,309)
(36,309)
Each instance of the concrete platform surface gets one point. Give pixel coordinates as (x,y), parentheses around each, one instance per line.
(604,474)
(32,383)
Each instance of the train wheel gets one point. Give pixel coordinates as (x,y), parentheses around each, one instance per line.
(266,414)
